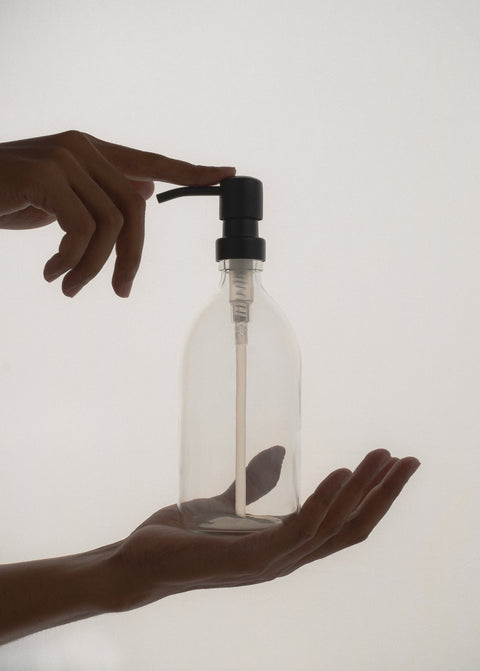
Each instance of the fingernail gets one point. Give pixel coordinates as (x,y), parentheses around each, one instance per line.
(72,291)
(414,467)
(52,276)
(384,457)
(125,288)
(411,468)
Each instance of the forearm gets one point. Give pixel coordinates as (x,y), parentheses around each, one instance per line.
(41,594)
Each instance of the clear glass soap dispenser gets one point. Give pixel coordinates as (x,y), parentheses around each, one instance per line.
(240,408)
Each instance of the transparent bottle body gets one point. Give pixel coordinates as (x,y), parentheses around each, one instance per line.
(221,381)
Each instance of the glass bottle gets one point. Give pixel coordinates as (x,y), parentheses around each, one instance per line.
(211,414)
(240,407)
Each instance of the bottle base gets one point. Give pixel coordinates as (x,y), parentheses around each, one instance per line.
(232,524)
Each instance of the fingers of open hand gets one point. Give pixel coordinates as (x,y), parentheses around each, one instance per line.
(342,511)
(326,510)
(353,492)
(376,504)
(356,526)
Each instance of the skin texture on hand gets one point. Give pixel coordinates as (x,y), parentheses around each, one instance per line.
(96,191)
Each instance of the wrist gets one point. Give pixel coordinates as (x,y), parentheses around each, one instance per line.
(95,578)
(134,574)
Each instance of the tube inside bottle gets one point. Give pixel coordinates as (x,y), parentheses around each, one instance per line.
(241,426)
(241,296)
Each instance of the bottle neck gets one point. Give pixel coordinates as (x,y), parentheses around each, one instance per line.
(241,279)
(240,265)
(240,273)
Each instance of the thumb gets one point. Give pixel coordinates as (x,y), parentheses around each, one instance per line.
(144,188)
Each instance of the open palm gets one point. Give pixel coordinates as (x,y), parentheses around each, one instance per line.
(161,557)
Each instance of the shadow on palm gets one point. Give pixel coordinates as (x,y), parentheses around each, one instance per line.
(262,475)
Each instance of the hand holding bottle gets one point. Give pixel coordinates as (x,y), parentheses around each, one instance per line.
(96,191)
(160,558)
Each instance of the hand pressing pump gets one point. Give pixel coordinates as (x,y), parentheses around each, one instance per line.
(240,381)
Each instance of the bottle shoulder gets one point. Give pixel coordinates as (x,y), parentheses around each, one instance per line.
(267,319)
(263,303)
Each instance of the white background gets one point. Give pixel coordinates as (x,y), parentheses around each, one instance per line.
(362,120)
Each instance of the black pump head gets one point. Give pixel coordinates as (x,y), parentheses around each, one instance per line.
(241,208)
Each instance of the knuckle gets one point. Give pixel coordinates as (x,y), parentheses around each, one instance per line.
(113,218)
(330,528)
(59,155)
(45,171)
(51,168)
(286,571)
(360,538)
(76,240)
(86,228)
(386,490)
(135,204)
(305,532)
(73,138)
(357,531)
(194,173)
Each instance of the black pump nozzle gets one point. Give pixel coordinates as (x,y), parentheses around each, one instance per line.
(241,208)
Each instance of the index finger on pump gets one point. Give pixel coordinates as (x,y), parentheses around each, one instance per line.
(144,165)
